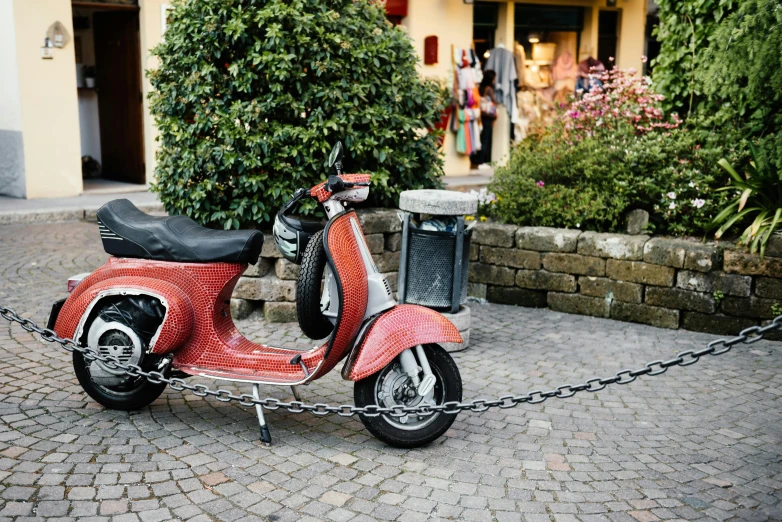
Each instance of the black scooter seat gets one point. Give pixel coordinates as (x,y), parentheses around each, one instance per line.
(126,231)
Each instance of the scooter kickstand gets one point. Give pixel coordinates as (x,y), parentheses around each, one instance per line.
(266,437)
(295,390)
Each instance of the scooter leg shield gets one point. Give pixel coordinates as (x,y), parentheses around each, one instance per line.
(398,329)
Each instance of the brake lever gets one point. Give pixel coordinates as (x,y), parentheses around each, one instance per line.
(300,193)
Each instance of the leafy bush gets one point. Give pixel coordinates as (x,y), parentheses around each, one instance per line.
(551,181)
(592,183)
(758,194)
(677,178)
(684,32)
(742,73)
(611,152)
(250,96)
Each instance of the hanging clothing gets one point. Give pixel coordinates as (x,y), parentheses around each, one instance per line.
(503,63)
(476,130)
(477,72)
(461,141)
(467,119)
(454,118)
(486,130)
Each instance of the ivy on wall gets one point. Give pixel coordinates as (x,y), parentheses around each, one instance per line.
(684,32)
(743,74)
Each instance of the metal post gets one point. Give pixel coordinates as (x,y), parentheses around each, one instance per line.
(401,286)
(456,295)
(266,437)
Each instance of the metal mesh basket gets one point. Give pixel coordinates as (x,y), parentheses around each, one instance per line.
(430,268)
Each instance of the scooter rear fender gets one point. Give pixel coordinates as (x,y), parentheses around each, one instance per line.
(177,325)
(401,327)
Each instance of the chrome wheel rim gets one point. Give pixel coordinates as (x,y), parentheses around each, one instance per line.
(392,389)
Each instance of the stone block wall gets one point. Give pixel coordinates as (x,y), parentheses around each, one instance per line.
(670,283)
(269,287)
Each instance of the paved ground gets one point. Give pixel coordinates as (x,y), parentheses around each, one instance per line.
(99,191)
(696,443)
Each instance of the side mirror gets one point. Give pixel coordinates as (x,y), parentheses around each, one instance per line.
(335,158)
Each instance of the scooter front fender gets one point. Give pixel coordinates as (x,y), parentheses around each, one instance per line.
(401,327)
(177,325)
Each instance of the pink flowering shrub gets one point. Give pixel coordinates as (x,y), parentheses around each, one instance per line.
(609,152)
(619,99)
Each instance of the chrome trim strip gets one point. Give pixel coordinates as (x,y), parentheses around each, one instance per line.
(122,291)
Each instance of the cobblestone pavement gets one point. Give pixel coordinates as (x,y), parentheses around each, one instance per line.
(701,442)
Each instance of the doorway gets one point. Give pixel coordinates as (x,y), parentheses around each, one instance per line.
(110,97)
(607,36)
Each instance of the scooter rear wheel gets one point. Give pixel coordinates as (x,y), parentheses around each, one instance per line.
(386,388)
(133,396)
(132,393)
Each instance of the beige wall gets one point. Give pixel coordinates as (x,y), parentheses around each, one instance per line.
(50,116)
(150,29)
(631,34)
(451,22)
(48,103)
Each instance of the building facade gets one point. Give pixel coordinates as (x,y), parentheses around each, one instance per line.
(72,82)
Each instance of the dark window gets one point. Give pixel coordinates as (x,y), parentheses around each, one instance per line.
(484,18)
(548,18)
(607,36)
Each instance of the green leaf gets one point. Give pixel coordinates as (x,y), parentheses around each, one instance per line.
(774,222)
(727,166)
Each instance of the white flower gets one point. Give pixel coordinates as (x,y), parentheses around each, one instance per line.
(698,203)
(671,195)
(672,205)
(484,196)
(692,183)
(237,122)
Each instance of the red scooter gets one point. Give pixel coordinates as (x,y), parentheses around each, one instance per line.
(162,301)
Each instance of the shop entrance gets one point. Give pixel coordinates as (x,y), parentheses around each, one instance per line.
(110,96)
(607,36)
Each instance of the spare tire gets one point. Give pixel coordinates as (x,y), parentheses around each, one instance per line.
(312,322)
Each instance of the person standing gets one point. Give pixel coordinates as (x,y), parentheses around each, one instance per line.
(488,115)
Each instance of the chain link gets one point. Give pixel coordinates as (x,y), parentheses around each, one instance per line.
(685,358)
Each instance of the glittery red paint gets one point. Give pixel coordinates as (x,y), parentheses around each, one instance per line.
(402,327)
(344,251)
(321,194)
(198,327)
(199,331)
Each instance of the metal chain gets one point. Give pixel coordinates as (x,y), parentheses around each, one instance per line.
(685,358)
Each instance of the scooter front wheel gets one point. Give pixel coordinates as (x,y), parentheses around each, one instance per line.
(391,386)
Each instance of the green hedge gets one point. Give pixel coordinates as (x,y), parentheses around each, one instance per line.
(684,32)
(250,95)
(591,184)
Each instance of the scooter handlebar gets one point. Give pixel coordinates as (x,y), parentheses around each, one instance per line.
(337,184)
